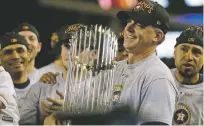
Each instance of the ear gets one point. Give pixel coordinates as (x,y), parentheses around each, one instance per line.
(29,54)
(39,46)
(159,35)
(174,52)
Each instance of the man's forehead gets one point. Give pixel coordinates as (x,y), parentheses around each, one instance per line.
(27,33)
(14,47)
(191,46)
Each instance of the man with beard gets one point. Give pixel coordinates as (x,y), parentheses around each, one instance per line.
(31,35)
(188,55)
(14,56)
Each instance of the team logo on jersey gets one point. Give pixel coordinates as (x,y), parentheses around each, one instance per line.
(182,115)
(19,107)
(117,92)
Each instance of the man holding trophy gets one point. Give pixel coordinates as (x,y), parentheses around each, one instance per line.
(142,82)
(82,61)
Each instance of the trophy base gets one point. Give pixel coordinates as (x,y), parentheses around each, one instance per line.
(119,116)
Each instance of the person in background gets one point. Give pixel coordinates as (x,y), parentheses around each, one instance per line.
(32,37)
(14,56)
(188,55)
(43,99)
(55,67)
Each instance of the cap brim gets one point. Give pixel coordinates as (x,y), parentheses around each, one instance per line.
(123,15)
(139,17)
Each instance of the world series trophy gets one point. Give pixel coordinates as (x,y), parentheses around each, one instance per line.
(89,84)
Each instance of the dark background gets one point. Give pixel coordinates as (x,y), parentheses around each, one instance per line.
(47,20)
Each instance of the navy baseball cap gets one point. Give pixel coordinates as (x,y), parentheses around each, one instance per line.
(147,13)
(12,38)
(62,36)
(192,35)
(26,27)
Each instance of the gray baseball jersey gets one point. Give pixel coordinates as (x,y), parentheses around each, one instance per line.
(32,112)
(9,115)
(50,68)
(21,94)
(34,76)
(148,87)
(189,108)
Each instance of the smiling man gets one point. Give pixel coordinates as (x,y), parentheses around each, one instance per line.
(143,80)
(32,37)
(14,58)
(188,57)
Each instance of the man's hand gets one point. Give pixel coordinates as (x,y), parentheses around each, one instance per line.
(56,104)
(51,120)
(49,78)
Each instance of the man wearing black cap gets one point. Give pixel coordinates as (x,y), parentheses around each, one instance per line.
(31,35)
(143,80)
(49,72)
(14,58)
(188,55)
(44,100)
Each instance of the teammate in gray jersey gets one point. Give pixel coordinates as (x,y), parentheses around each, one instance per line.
(14,58)
(43,100)
(143,81)
(55,67)
(188,57)
(32,37)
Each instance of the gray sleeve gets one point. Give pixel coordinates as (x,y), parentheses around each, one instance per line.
(29,111)
(157,102)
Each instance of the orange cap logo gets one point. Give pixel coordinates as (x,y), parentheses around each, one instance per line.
(54,37)
(25,27)
(13,40)
(143,5)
